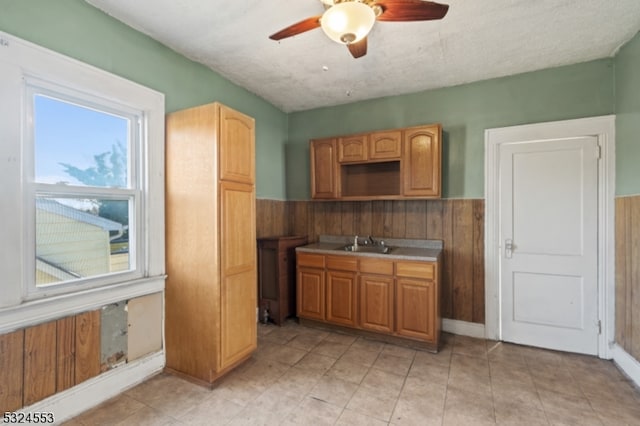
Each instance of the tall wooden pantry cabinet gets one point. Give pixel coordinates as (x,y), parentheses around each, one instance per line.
(210,311)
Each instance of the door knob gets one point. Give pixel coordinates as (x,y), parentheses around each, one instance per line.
(508,248)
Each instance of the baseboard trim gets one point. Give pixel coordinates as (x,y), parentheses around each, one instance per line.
(463,328)
(86,395)
(628,364)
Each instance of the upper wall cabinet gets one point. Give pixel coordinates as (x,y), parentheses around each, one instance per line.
(353,148)
(392,164)
(422,162)
(324,184)
(385,145)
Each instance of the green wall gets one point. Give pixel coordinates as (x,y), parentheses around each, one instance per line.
(465,111)
(627,90)
(78,30)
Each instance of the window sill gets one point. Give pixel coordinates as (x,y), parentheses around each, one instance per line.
(38,311)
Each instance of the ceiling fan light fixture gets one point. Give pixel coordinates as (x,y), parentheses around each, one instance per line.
(348,22)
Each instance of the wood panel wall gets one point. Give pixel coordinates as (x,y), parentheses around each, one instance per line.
(272,218)
(628,274)
(11,370)
(41,360)
(459,223)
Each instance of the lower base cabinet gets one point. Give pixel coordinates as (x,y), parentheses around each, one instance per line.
(395,298)
(414,302)
(341,297)
(376,303)
(310,293)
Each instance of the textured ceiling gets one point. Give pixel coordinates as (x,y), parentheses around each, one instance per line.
(477,40)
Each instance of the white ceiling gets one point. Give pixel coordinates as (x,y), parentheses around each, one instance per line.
(477,40)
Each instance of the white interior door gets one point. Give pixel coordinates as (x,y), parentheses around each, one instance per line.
(548,206)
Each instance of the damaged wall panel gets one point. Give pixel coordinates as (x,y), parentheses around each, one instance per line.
(145,325)
(113,335)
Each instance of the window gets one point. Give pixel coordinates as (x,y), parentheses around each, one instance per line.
(85,191)
(82,186)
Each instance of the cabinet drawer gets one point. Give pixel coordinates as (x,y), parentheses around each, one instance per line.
(312,260)
(342,263)
(415,269)
(376,266)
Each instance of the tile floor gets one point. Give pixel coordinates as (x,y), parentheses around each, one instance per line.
(304,376)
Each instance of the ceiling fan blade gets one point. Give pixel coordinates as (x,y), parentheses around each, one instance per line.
(358,49)
(297,28)
(411,10)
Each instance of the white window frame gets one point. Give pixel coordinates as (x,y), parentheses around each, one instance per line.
(33,190)
(24,66)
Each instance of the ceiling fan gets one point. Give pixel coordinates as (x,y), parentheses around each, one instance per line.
(349,21)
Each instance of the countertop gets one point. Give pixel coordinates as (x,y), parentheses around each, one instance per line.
(402,249)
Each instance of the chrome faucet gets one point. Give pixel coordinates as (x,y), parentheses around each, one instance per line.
(355,242)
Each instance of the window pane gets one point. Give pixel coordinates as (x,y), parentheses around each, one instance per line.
(79,146)
(79,238)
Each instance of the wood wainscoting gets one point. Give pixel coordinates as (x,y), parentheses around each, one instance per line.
(39,361)
(459,223)
(272,218)
(628,274)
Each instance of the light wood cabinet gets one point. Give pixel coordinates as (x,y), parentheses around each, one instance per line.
(236,141)
(422,161)
(311,293)
(376,146)
(392,164)
(310,286)
(377,294)
(414,302)
(211,297)
(394,298)
(418,314)
(238,273)
(353,148)
(324,175)
(385,145)
(341,296)
(376,303)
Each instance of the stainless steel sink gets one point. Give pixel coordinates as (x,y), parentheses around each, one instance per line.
(380,249)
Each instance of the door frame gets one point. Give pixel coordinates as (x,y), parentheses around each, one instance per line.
(603,128)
